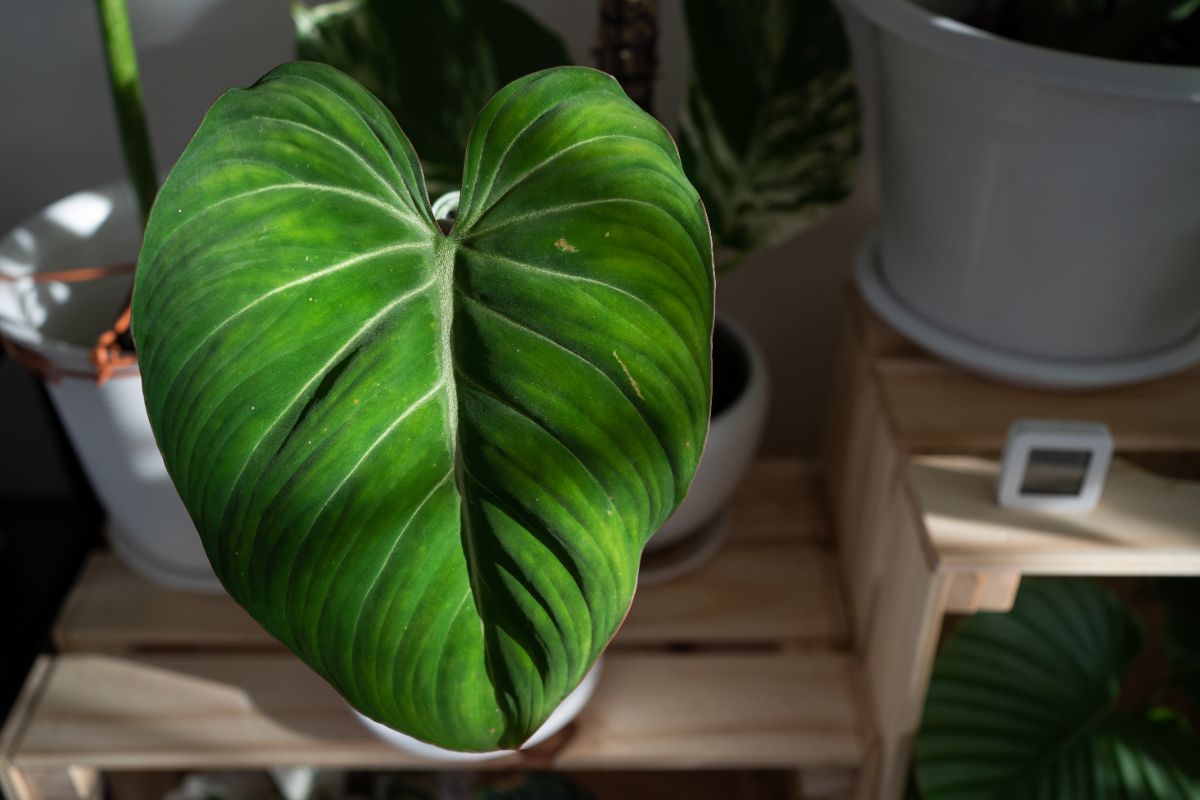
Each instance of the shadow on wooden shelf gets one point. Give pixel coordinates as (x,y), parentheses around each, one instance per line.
(742,665)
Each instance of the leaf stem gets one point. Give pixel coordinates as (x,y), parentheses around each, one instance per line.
(127,100)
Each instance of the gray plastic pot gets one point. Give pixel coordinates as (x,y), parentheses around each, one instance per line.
(1041,209)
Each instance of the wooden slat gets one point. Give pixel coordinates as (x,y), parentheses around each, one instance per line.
(708,711)
(750,593)
(771,583)
(780,499)
(898,656)
(1144,524)
(764,593)
(112,609)
(940,409)
(972,592)
(13,784)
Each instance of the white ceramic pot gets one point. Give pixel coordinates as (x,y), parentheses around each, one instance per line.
(1040,209)
(148,526)
(733,435)
(567,711)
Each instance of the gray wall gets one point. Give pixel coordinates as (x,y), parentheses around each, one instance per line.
(59,136)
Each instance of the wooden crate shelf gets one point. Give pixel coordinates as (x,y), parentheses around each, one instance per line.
(1145,524)
(255,711)
(771,584)
(743,664)
(912,460)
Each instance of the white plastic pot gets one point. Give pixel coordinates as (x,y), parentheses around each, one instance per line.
(733,436)
(1041,209)
(148,526)
(562,716)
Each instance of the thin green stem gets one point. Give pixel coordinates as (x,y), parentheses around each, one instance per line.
(127,99)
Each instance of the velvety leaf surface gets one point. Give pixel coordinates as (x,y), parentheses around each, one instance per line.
(428,463)
(1024,705)
(433,63)
(770,128)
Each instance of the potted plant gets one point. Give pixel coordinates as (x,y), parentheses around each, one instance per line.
(1040,182)
(1031,703)
(65,275)
(426,456)
(769,137)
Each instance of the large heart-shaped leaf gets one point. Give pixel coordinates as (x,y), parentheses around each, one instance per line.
(428,463)
(1024,705)
(433,63)
(770,129)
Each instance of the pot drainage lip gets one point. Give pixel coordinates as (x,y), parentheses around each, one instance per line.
(1005,365)
(687,555)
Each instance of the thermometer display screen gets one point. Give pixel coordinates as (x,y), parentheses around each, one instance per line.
(1055,472)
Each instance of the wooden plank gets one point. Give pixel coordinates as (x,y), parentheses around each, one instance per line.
(750,593)
(112,609)
(898,657)
(939,409)
(13,784)
(971,592)
(712,711)
(780,499)
(765,586)
(1144,525)
(865,555)
(764,593)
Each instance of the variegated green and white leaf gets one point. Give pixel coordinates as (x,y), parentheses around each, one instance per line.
(428,463)
(1023,705)
(770,129)
(433,63)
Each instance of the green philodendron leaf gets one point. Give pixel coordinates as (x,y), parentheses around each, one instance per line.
(1022,705)
(770,129)
(428,463)
(433,63)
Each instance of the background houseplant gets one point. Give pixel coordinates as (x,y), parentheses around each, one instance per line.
(769,135)
(1030,704)
(355,405)
(53,326)
(51,74)
(1038,218)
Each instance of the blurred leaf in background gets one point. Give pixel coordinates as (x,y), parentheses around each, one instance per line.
(1181,599)
(1024,704)
(770,129)
(434,63)
(536,786)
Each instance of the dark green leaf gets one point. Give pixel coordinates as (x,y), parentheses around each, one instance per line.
(770,130)
(428,463)
(433,63)
(539,786)
(1022,705)
(1181,598)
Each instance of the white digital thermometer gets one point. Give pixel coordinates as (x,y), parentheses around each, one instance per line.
(1054,465)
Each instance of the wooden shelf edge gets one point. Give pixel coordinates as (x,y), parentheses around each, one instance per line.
(771,583)
(711,711)
(1144,524)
